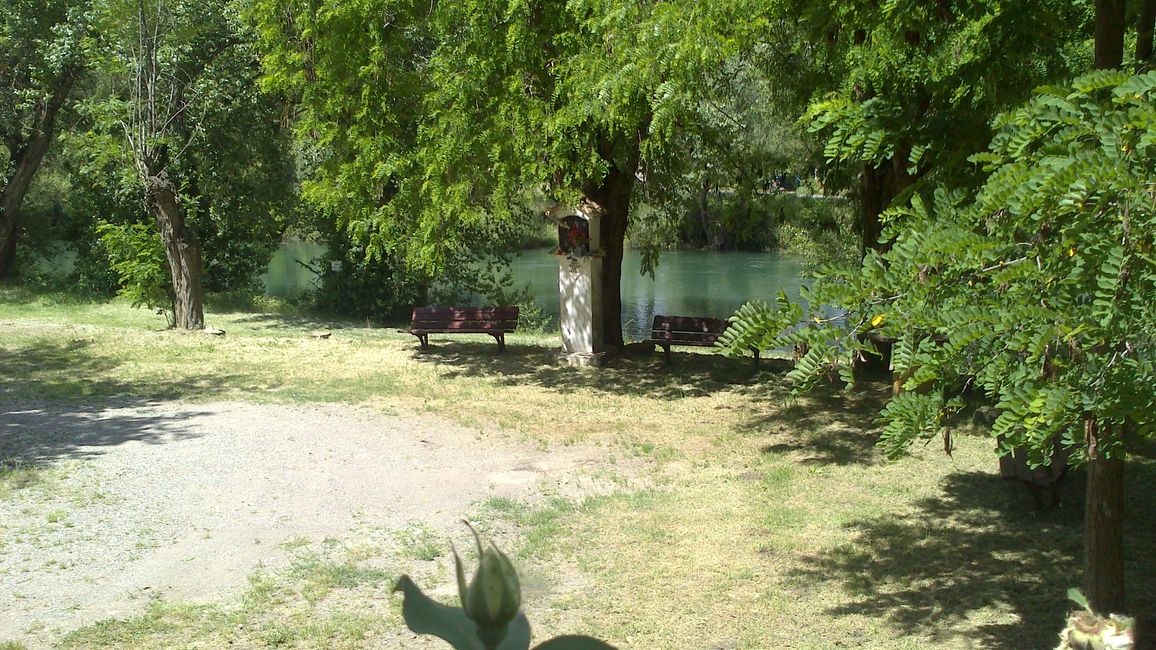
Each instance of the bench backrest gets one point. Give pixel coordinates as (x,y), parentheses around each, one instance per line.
(465,318)
(688,329)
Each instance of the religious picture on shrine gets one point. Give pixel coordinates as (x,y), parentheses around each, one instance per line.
(574,236)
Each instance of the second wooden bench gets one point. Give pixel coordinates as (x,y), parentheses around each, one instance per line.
(688,330)
(495,321)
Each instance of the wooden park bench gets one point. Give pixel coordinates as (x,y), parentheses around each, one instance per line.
(495,321)
(688,330)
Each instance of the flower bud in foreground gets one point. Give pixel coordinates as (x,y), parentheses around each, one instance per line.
(494,596)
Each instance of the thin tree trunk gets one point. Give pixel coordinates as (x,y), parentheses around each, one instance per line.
(704,214)
(182,249)
(1109,34)
(1103,527)
(1104,495)
(27,162)
(1144,31)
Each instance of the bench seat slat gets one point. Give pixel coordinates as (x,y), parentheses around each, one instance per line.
(667,331)
(466,313)
(495,321)
(464,326)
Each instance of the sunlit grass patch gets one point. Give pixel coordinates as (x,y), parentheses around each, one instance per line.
(19,475)
(318,575)
(418,541)
(765,520)
(320,601)
(70,483)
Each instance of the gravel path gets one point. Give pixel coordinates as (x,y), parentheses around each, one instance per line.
(183,500)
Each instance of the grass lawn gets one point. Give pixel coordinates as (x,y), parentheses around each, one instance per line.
(766,520)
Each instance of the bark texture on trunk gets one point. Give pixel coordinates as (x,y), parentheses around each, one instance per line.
(609,200)
(880,185)
(26,158)
(1103,582)
(182,249)
(1103,527)
(1109,34)
(1144,31)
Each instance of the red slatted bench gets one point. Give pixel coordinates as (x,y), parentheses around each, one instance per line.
(688,330)
(495,321)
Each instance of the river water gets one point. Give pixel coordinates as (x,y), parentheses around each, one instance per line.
(686,283)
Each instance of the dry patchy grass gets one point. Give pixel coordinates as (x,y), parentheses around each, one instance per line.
(771,520)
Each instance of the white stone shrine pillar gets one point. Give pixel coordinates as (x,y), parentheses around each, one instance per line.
(579,287)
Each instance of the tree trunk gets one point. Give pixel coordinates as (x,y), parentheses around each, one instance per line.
(1144,31)
(609,201)
(8,236)
(1104,506)
(1109,34)
(182,248)
(704,214)
(880,185)
(27,159)
(1103,527)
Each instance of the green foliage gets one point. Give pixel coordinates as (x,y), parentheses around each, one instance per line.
(219,138)
(490,617)
(913,81)
(354,284)
(759,326)
(136,256)
(1039,290)
(430,126)
(817,229)
(39,41)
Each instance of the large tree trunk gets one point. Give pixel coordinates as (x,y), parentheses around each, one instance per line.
(1109,34)
(880,185)
(182,248)
(609,201)
(27,158)
(1103,527)
(1144,31)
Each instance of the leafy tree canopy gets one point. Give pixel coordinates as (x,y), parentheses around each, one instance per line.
(1040,289)
(434,123)
(921,80)
(41,58)
(218,136)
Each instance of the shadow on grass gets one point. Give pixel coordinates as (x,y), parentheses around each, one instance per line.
(299,322)
(70,370)
(636,373)
(826,426)
(982,544)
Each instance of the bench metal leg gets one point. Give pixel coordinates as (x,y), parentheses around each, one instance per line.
(501,340)
(756,351)
(424,340)
(666,353)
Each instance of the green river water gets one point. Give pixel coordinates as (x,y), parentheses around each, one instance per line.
(687,283)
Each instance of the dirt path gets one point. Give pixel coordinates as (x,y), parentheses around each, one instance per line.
(133,500)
